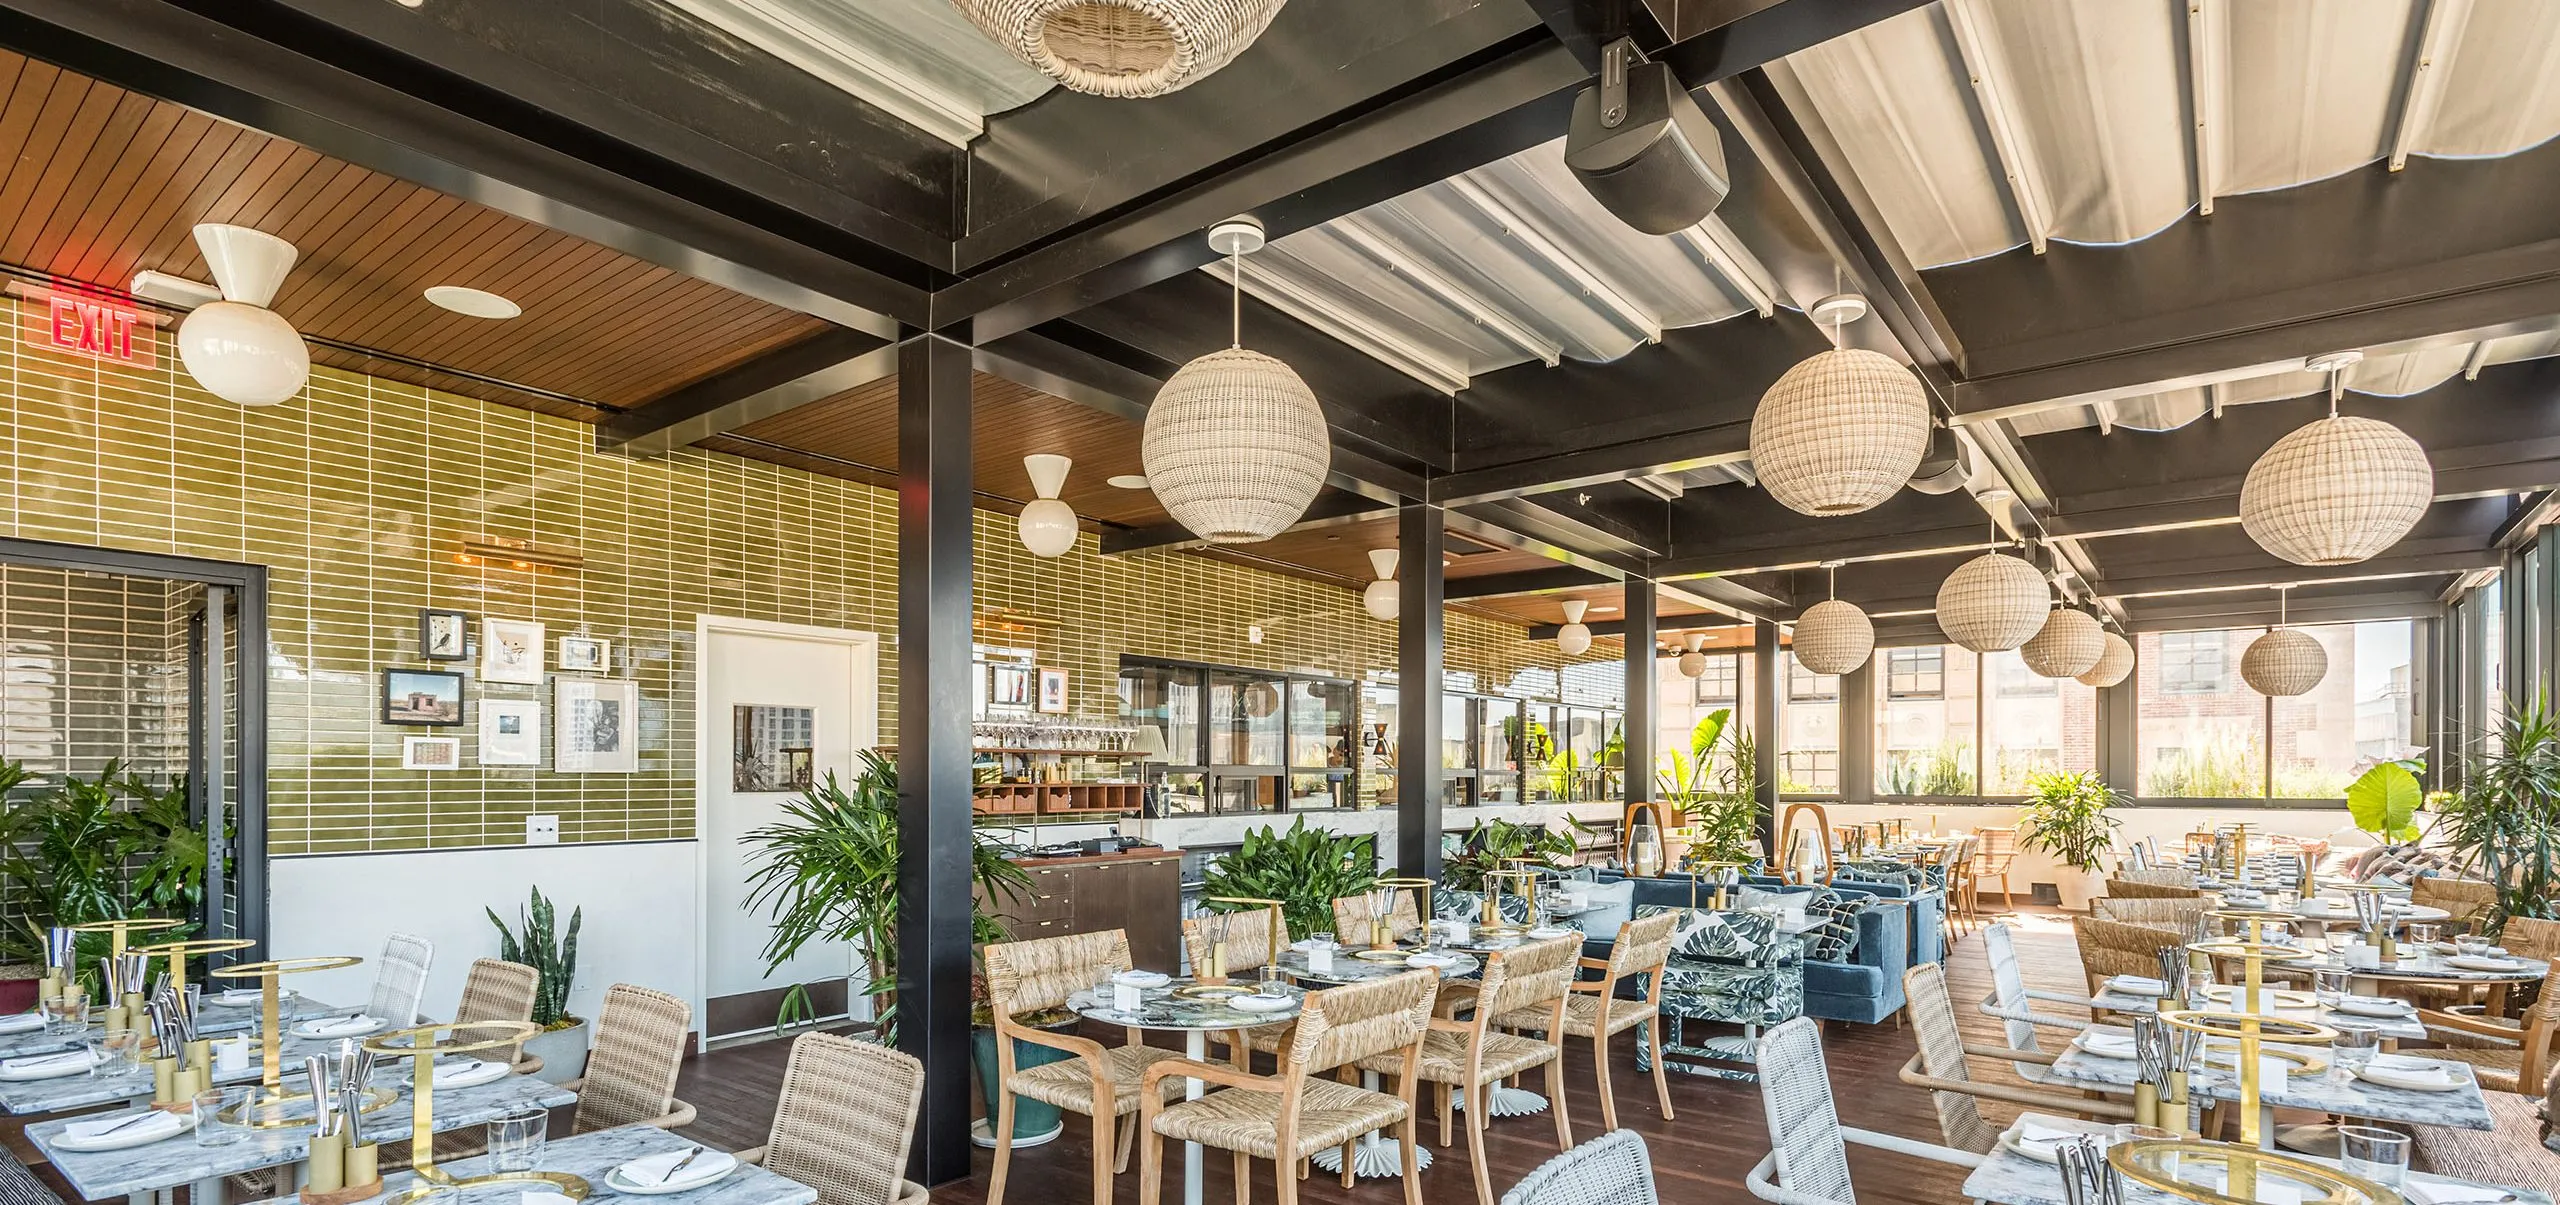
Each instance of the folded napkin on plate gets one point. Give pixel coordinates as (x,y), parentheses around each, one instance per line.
(653,1169)
(47,1062)
(1306,944)
(2380,1002)
(2402,1067)
(21,1022)
(2116,1045)
(2034,1131)
(125,1125)
(329,1025)
(1551,931)
(2443,1192)
(2137,985)
(1427,959)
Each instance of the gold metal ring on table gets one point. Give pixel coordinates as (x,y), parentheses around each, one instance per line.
(1381,955)
(178,952)
(269,975)
(2236,1025)
(1213,991)
(286,966)
(265,1110)
(2284,997)
(421,1045)
(121,930)
(2263,951)
(2156,1162)
(2228,1058)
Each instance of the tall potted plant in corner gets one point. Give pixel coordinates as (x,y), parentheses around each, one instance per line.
(2067,817)
(1718,793)
(2503,823)
(553,955)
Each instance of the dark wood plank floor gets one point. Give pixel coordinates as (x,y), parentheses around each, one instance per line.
(1701,1156)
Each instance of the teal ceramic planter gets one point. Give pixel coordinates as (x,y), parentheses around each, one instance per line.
(1034,1122)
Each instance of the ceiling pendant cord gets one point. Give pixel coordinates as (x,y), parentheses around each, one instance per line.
(1235,297)
(2284,594)
(2337,388)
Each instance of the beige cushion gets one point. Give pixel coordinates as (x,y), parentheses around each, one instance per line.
(1068,1083)
(1238,1119)
(1444,1057)
(1582,1015)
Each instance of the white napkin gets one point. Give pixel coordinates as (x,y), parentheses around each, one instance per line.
(2108,1045)
(2402,1067)
(2035,1131)
(1133,979)
(1546,932)
(2137,985)
(652,1169)
(21,1022)
(335,1025)
(1427,959)
(160,1125)
(47,1062)
(1308,943)
(2452,1192)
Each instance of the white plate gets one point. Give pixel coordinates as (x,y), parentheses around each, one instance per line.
(2453,1081)
(2373,1006)
(1258,1004)
(308,1029)
(2151,989)
(2041,1152)
(140,1133)
(481,1071)
(1552,931)
(710,1166)
(1137,979)
(2081,1044)
(1434,961)
(67,1067)
(2469,963)
(21,1023)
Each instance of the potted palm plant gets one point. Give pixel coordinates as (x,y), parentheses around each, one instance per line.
(2067,817)
(1305,868)
(562,1044)
(1715,785)
(2503,822)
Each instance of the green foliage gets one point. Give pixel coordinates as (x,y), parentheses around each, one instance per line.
(1305,868)
(2066,816)
(2218,769)
(1492,843)
(2501,822)
(1715,784)
(1945,770)
(830,873)
(2384,802)
(554,961)
(85,850)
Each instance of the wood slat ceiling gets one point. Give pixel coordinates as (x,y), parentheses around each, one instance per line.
(99,183)
(1606,606)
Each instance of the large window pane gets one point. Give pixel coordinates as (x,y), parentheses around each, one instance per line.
(1925,720)
(2037,725)
(1542,753)
(2493,660)
(1320,725)
(2359,712)
(2202,732)
(1812,749)
(1245,720)
(1165,705)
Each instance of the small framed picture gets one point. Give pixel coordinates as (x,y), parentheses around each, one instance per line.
(510,732)
(430,753)
(444,635)
(596,725)
(511,651)
(431,697)
(1053,691)
(585,654)
(1009,687)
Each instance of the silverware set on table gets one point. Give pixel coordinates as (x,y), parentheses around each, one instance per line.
(2087,1177)
(171,1015)
(338,1084)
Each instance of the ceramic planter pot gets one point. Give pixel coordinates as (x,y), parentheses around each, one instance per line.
(563,1051)
(1034,1122)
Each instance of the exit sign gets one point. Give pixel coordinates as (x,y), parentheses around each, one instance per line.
(91,325)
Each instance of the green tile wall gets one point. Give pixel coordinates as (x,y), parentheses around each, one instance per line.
(356,497)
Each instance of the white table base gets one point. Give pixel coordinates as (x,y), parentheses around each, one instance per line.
(1506,1101)
(1195,1045)
(1373,1155)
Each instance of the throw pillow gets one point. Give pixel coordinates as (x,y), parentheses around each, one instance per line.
(1789,905)
(1833,935)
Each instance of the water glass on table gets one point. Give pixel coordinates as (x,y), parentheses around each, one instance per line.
(2355,1046)
(2422,939)
(115,1053)
(515,1140)
(66,1014)
(2374,1153)
(2329,988)
(208,1107)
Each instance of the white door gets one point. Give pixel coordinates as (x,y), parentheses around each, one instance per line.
(778,704)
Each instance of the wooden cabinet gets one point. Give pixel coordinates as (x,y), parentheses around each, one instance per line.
(1139,893)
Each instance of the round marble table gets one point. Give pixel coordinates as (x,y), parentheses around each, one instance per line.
(2339,911)
(1375,1154)
(1162,1008)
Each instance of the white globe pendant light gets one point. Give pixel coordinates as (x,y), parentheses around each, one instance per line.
(239,350)
(2070,644)
(1235,445)
(2115,663)
(1833,637)
(1993,602)
(1047,526)
(1573,639)
(1842,431)
(1383,599)
(1693,656)
(2286,661)
(1123,48)
(2339,490)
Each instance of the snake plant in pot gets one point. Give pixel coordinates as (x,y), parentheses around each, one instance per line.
(553,955)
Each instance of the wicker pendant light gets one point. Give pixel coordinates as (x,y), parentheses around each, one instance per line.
(2339,490)
(1693,657)
(1123,48)
(1993,602)
(1833,637)
(2069,645)
(1573,639)
(1235,445)
(1383,599)
(1842,431)
(2114,665)
(2286,661)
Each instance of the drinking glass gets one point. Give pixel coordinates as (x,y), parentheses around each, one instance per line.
(208,1107)
(2471,945)
(2374,1153)
(2329,988)
(2354,1046)
(515,1140)
(2129,1132)
(115,1053)
(67,1013)
(2422,938)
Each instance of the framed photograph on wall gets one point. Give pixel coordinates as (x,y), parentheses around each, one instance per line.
(430,753)
(596,725)
(1053,691)
(1009,686)
(585,655)
(430,697)
(511,651)
(510,732)
(444,635)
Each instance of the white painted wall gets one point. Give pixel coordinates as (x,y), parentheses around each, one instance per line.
(2168,824)
(642,902)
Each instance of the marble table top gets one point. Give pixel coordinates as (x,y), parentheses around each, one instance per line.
(590,1156)
(217,1020)
(99,1175)
(2405,1027)
(1350,969)
(23,1098)
(1160,1008)
(2431,968)
(2327,1091)
(2009,1178)
(2326,908)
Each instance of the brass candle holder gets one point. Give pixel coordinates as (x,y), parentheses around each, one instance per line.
(422,1046)
(2248,1024)
(2178,1167)
(1495,924)
(1699,870)
(178,952)
(120,932)
(263,1109)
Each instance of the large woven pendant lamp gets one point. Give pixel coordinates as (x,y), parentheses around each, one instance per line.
(2339,490)
(1235,446)
(1833,637)
(1840,432)
(2069,645)
(1383,598)
(1995,601)
(1573,639)
(1123,47)
(2286,661)
(1693,655)
(2114,665)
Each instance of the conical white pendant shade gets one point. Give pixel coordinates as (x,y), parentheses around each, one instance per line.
(248,264)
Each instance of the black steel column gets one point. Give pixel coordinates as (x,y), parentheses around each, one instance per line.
(1858,731)
(1768,681)
(934,607)
(1641,691)
(1420,592)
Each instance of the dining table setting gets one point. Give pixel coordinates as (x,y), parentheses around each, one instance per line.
(632,1161)
(2041,1159)
(2370,1084)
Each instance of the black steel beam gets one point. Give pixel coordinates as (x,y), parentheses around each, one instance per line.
(2406,601)
(936,601)
(1526,581)
(1705,622)
(814,369)
(1419,662)
(1328,510)
(1727,443)
(2274,572)
(1637,627)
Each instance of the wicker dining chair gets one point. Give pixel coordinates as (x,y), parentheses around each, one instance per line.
(1961,906)
(1101,1082)
(2178,914)
(1613,1169)
(1940,1066)
(2470,901)
(1808,1159)
(1594,1010)
(2111,948)
(2123,888)
(1992,860)
(1470,1055)
(2013,1002)
(2507,1054)
(1248,938)
(400,980)
(501,991)
(1294,1113)
(639,1045)
(844,1121)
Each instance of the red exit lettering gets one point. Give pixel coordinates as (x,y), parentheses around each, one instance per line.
(96,328)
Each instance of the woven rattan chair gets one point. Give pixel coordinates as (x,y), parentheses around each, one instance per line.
(2111,948)
(2014,1003)
(501,991)
(1808,1159)
(1613,1169)
(1992,860)
(400,980)
(2178,914)
(1594,1010)
(847,1114)
(2122,888)
(1099,1082)
(1470,1055)
(1288,1116)
(2507,1055)
(1248,938)
(631,1070)
(1941,1067)
(2157,876)
(2470,901)
(1354,914)
(1960,902)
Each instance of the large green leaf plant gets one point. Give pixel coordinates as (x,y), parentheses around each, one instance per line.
(2067,816)
(93,849)
(2501,821)
(553,956)
(2384,801)
(1715,784)
(1305,868)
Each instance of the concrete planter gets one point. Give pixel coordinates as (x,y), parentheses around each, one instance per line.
(563,1051)
(2078,887)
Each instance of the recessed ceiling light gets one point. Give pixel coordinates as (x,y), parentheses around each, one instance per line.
(473,302)
(1127,481)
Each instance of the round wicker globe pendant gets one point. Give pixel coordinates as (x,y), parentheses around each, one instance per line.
(2284,663)
(1834,637)
(2339,490)
(1993,602)
(1235,445)
(2114,665)
(1842,431)
(2069,645)
(1123,48)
